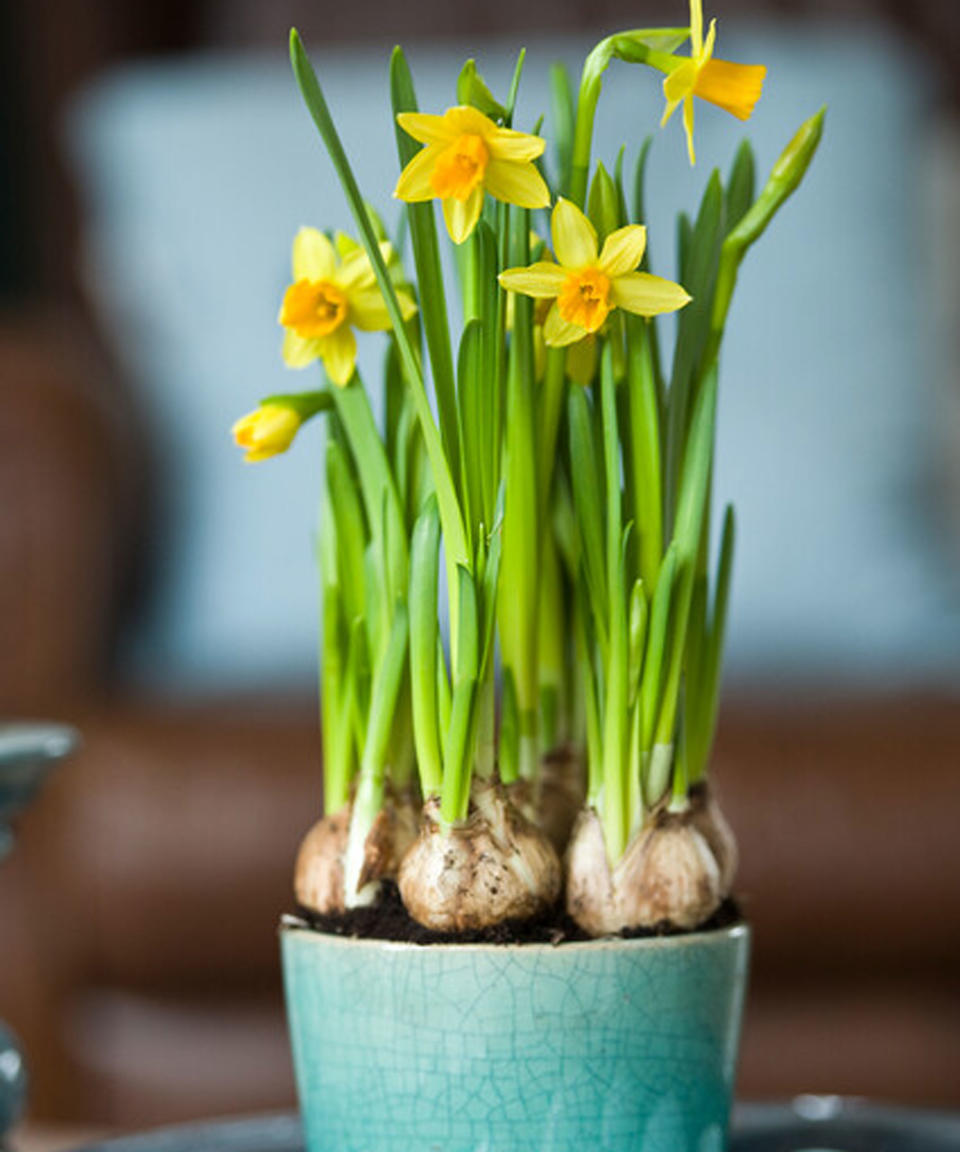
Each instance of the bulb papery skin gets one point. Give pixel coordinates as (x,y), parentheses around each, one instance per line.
(493,867)
(668,875)
(319,875)
(712,825)
(554,800)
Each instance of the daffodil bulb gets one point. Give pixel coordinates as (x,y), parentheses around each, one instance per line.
(712,825)
(553,801)
(495,866)
(668,875)
(320,875)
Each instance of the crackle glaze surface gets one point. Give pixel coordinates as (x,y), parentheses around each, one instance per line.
(612,1045)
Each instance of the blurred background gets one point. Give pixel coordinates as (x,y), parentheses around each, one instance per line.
(154,164)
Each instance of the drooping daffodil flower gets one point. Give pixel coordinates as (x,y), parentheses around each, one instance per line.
(586,283)
(266,431)
(734,87)
(332,293)
(466,154)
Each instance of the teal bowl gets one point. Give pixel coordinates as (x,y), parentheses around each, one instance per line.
(619,1045)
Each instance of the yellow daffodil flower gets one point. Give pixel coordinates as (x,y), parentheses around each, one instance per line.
(466,154)
(587,284)
(266,431)
(734,87)
(332,293)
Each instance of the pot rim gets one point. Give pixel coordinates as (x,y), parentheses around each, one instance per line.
(294,926)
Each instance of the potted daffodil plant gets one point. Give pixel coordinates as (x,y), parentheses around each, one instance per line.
(515,925)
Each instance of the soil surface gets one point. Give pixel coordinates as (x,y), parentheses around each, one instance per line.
(389,920)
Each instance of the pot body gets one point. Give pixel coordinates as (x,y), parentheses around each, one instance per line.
(619,1045)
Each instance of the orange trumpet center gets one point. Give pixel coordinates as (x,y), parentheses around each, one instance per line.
(313,308)
(584,299)
(460,168)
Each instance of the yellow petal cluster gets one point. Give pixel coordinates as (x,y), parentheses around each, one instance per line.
(466,154)
(266,431)
(334,290)
(586,283)
(734,87)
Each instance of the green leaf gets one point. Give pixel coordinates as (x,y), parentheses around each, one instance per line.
(638,636)
(517,604)
(785,178)
(471,383)
(383,702)
(639,184)
(741,186)
(509,729)
(455,797)
(380,498)
(515,87)
(426,256)
(693,326)
(562,115)
(697,467)
(424,632)
(472,89)
(454,533)
(707,706)
(651,683)
(588,504)
(350,542)
(604,204)
(644,444)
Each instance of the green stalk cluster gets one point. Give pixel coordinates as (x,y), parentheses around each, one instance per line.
(568,493)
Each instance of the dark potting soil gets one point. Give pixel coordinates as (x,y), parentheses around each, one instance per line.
(389,920)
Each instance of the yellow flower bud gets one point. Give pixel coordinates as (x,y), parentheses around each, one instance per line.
(266,431)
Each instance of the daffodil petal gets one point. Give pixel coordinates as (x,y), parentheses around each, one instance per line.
(647,295)
(542,280)
(426,128)
(696,26)
(735,88)
(298,351)
(574,237)
(623,250)
(314,257)
(461,216)
(345,245)
(408,306)
(678,84)
(339,355)
(356,272)
(672,106)
(465,119)
(688,128)
(414,183)
(368,312)
(519,184)
(707,50)
(506,144)
(558,333)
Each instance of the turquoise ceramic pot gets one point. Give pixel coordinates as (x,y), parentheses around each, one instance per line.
(620,1045)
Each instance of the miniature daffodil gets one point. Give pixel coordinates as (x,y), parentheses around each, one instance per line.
(586,284)
(332,293)
(465,154)
(734,87)
(266,431)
